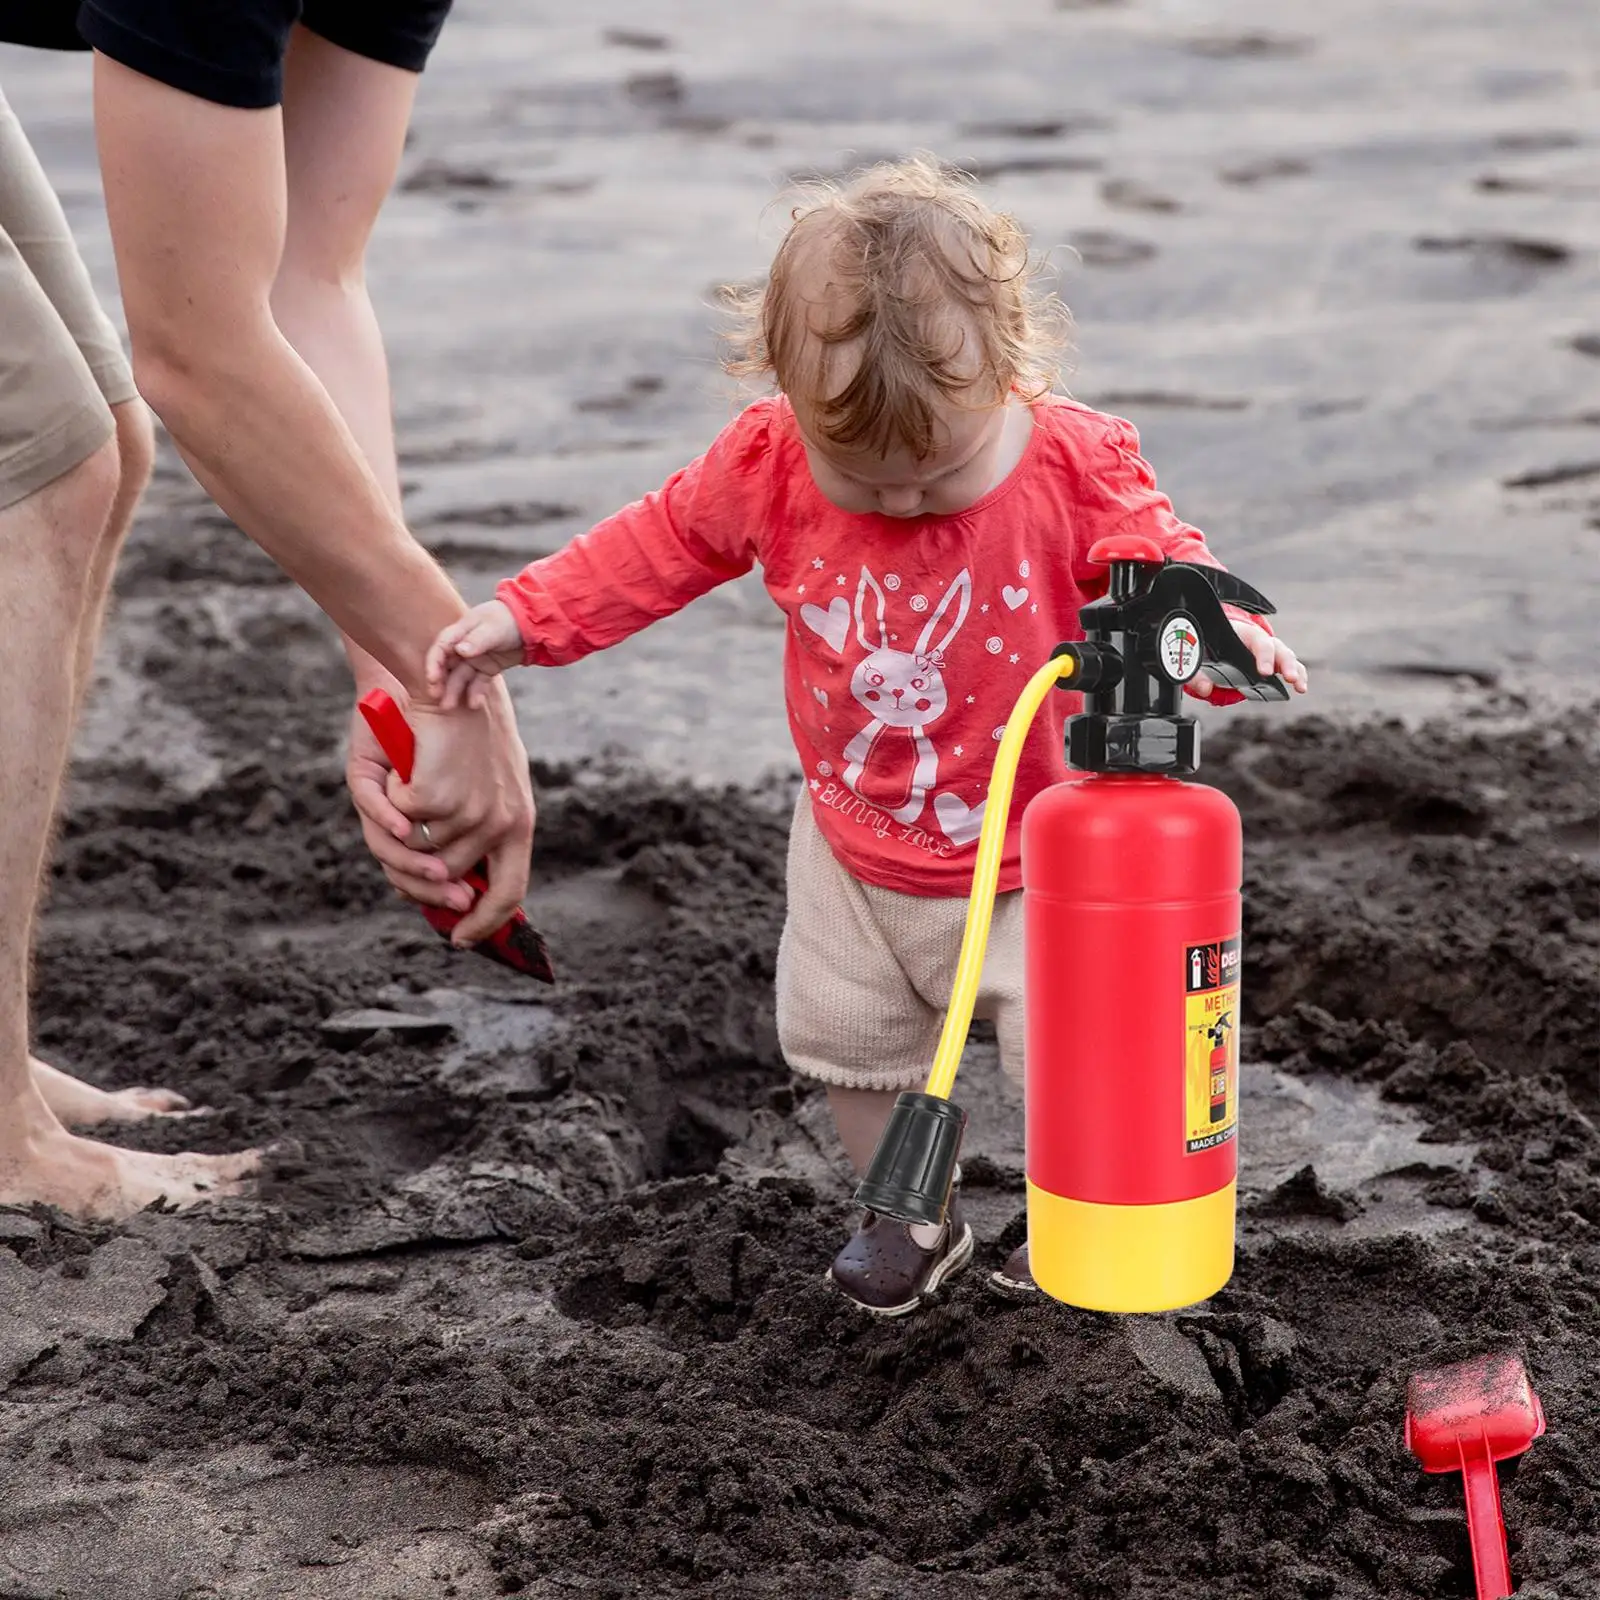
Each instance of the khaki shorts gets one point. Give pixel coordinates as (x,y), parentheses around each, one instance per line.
(864,973)
(61,364)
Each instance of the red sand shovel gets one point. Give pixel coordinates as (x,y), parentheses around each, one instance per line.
(516,944)
(1464,1418)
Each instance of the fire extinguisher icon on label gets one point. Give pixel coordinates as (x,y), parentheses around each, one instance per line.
(1218,1035)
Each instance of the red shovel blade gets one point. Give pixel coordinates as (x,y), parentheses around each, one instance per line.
(1464,1418)
(517,944)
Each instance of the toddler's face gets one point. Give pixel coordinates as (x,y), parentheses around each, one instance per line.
(955,476)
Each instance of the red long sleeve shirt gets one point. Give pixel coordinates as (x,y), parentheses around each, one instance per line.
(908,641)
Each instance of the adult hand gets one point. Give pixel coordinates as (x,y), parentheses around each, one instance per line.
(417,874)
(470,785)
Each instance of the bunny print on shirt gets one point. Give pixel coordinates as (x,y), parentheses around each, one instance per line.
(891,762)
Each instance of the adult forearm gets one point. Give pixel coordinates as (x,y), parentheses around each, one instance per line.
(260,433)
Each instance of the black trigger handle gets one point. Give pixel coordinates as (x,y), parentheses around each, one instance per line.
(1230,589)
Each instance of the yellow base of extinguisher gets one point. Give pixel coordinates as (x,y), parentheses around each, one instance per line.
(1131,1258)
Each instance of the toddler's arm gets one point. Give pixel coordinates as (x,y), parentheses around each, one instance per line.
(700,529)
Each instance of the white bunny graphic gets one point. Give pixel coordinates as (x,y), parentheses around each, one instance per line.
(902,691)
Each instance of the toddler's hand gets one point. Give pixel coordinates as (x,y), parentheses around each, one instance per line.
(1272,655)
(468,653)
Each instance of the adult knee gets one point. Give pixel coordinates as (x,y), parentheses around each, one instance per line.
(69,516)
(136,448)
(313,291)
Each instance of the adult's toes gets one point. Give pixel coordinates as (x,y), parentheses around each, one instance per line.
(160,1102)
(237,1164)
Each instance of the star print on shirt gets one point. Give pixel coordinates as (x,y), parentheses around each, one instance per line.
(1034,607)
(959,750)
(816,561)
(801,589)
(815,785)
(984,606)
(1015,658)
(840,580)
(972,699)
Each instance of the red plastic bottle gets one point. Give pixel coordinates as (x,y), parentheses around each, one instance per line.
(1131,911)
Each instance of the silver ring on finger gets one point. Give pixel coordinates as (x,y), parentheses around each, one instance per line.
(427,835)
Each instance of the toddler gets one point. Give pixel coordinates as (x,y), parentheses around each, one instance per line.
(921,506)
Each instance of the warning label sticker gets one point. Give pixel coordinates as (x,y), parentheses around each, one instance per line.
(1211,1044)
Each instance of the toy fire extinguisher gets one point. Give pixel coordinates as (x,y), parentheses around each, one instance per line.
(1131,914)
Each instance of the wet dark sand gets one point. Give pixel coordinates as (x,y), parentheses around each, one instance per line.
(535,1305)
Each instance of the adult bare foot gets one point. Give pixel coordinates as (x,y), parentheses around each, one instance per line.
(82,1105)
(42,1163)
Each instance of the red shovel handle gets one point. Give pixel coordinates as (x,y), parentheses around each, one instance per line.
(1491,1565)
(516,944)
(391,730)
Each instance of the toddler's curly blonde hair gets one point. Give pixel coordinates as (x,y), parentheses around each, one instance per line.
(891,293)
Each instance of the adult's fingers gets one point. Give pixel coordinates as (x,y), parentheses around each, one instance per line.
(454,843)
(508,883)
(416,874)
(371,800)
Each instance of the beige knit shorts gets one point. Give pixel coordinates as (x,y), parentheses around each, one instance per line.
(61,364)
(864,973)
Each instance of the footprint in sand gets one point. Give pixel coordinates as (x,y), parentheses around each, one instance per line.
(1499,247)
(1169,400)
(634,393)
(468,555)
(1097,248)
(445,177)
(985,171)
(455,452)
(1548,477)
(656,89)
(1058,129)
(1531,143)
(1269,167)
(501,514)
(1247,46)
(1556,188)
(632,39)
(1488,264)
(1128,194)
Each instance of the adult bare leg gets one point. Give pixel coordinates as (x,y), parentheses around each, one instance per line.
(76,1103)
(47,545)
(136,448)
(344,128)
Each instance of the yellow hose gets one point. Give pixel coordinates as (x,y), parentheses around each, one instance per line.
(986,874)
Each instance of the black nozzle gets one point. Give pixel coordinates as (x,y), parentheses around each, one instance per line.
(915,1162)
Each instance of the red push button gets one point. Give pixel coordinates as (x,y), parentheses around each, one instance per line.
(1127,547)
